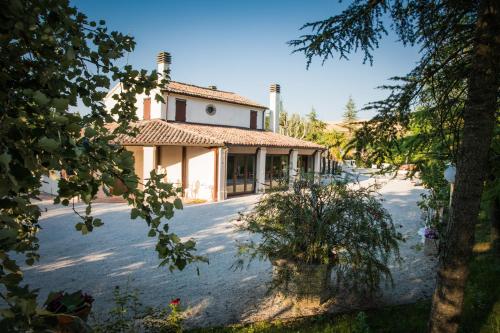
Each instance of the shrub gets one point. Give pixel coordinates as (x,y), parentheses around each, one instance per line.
(334,224)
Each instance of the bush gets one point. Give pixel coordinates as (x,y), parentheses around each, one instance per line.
(333,224)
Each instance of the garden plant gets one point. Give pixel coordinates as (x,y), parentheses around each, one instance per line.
(316,229)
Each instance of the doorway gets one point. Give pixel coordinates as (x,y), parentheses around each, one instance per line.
(240,174)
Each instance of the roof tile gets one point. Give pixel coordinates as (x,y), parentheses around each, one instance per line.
(161,132)
(220,95)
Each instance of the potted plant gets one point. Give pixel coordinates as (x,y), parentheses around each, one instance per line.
(431,241)
(315,229)
(69,307)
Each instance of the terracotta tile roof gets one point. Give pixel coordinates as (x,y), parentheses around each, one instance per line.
(203,92)
(161,132)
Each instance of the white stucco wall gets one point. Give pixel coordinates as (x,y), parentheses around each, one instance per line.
(200,173)
(158,109)
(170,162)
(226,114)
(137,151)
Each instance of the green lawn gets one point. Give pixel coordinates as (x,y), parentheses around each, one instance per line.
(481,313)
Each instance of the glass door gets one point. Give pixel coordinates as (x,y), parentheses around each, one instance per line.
(240,174)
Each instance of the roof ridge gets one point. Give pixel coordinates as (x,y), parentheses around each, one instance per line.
(201,87)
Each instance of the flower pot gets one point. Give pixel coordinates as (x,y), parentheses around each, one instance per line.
(431,247)
(305,284)
(68,318)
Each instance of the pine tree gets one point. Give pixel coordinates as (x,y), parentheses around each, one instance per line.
(460,54)
(350,114)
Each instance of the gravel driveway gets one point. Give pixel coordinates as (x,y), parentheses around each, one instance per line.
(120,251)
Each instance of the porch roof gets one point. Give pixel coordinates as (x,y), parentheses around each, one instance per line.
(161,132)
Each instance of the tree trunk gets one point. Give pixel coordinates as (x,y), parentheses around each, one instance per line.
(479,121)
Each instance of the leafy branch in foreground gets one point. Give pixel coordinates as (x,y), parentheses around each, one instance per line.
(52,57)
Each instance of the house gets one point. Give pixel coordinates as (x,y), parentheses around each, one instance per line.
(212,142)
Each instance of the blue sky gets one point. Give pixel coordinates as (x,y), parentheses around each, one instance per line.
(241,46)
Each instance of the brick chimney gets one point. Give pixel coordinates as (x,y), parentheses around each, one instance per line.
(274,107)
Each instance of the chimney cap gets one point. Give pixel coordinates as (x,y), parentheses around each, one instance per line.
(212,87)
(275,88)
(164,57)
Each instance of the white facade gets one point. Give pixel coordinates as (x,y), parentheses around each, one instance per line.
(227,114)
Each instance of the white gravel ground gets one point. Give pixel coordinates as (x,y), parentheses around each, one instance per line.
(120,251)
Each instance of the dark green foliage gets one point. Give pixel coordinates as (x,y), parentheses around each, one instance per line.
(51,57)
(456,81)
(329,224)
(481,308)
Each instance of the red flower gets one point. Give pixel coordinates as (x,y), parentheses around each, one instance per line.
(175,302)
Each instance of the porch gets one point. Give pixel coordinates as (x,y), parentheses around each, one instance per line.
(215,173)
(212,162)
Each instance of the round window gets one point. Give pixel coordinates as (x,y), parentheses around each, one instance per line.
(210,110)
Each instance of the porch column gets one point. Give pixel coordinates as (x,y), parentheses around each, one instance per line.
(261,171)
(148,161)
(292,167)
(221,174)
(317,165)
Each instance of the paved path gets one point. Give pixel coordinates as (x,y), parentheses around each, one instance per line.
(120,251)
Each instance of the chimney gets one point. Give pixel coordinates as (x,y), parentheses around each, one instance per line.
(164,60)
(274,107)
(158,109)
(212,87)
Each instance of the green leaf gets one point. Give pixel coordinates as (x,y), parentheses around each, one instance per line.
(180,263)
(60,104)
(7,313)
(174,238)
(48,144)
(134,213)
(97,222)
(5,159)
(90,132)
(40,98)
(178,203)
(151,233)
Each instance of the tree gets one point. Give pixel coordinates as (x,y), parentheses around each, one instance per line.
(460,46)
(293,125)
(316,126)
(350,114)
(51,57)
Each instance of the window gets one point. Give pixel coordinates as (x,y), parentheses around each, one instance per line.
(146,109)
(180,110)
(253,119)
(210,109)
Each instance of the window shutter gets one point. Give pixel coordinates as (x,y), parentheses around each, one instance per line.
(253,119)
(180,110)
(146,109)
